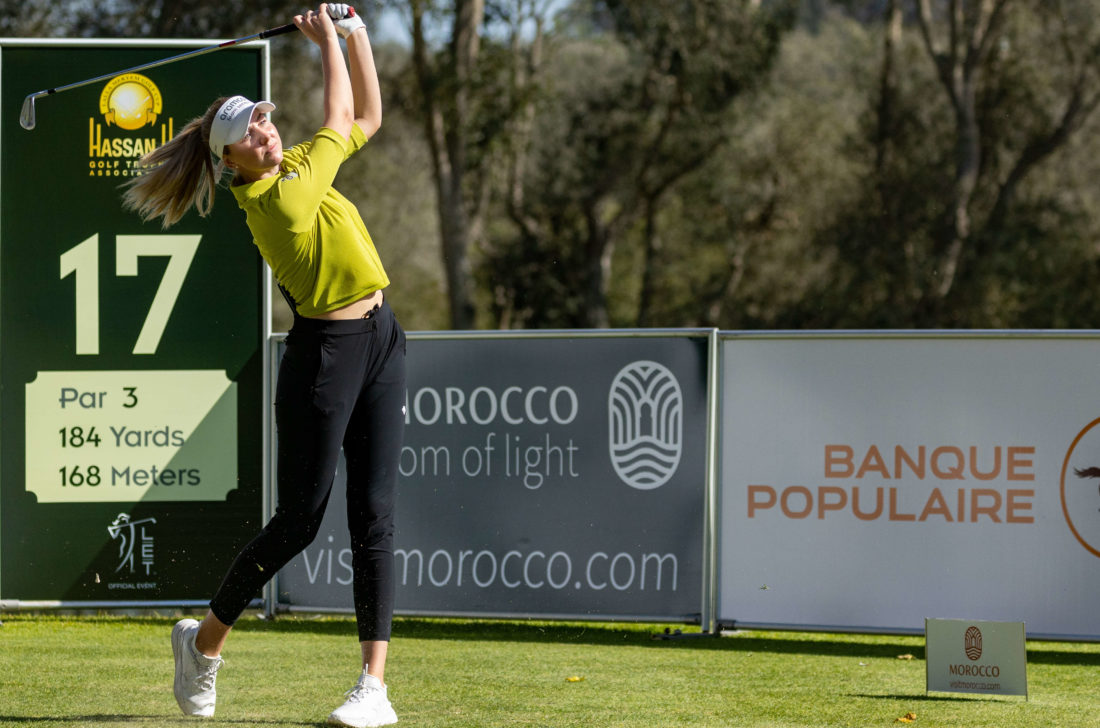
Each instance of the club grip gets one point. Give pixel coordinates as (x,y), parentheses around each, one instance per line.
(288,28)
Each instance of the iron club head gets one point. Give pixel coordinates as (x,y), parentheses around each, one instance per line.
(26,116)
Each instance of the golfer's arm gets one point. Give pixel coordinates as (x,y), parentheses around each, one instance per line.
(338,94)
(364,83)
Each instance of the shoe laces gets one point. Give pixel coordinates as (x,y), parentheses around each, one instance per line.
(360,692)
(206,675)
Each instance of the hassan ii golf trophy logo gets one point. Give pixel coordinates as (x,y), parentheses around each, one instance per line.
(128,103)
(1080,488)
(645,415)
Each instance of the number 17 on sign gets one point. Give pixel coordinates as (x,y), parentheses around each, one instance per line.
(82,262)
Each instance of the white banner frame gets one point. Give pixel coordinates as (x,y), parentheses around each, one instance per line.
(802,573)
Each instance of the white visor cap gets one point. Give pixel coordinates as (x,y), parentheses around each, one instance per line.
(232,120)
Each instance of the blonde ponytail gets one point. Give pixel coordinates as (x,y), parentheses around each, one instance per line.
(182,173)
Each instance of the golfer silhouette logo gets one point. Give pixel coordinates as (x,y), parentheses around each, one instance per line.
(130,101)
(1079,488)
(972,643)
(125,531)
(645,418)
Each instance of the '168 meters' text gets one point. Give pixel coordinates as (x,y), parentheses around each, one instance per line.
(123,439)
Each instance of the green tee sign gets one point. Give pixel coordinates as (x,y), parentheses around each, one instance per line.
(131,357)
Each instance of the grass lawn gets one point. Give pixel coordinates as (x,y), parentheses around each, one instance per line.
(117,671)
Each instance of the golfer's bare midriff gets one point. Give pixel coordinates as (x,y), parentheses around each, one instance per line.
(354,310)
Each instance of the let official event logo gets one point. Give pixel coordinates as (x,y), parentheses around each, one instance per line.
(135,544)
(972,643)
(1080,488)
(128,103)
(645,415)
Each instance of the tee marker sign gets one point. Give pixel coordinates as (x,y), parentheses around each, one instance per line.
(967,656)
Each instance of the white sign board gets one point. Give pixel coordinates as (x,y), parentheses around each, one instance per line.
(868,481)
(976,657)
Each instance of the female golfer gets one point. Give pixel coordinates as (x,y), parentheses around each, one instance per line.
(342,378)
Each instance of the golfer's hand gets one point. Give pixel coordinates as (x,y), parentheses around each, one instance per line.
(316,25)
(346,19)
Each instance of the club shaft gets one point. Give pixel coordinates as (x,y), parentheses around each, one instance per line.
(289,27)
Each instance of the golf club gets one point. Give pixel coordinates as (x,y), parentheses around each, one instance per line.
(26,116)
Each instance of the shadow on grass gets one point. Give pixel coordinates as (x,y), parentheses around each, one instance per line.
(143,719)
(649,636)
(606,633)
(922,697)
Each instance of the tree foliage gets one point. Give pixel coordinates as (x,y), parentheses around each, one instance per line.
(946,228)
(638,99)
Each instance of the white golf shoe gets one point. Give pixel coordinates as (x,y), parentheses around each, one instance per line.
(367,705)
(195,673)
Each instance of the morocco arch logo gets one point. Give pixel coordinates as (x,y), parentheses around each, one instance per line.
(645,410)
(972,643)
(1080,487)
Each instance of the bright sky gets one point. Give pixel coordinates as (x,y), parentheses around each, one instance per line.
(392,25)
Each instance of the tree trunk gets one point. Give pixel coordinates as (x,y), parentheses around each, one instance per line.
(597,268)
(650,246)
(968,158)
(972,24)
(446,134)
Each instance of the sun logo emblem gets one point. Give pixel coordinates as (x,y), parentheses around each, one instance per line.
(130,101)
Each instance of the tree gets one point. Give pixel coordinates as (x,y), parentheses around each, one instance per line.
(19,19)
(959,52)
(968,172)
(967,41)
(743,235)
(471,84)
(639,103)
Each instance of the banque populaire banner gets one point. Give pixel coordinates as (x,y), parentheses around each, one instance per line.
(870,482)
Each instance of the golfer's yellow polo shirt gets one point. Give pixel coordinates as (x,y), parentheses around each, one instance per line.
(312,236)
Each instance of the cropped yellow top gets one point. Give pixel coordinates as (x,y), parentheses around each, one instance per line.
(312,236)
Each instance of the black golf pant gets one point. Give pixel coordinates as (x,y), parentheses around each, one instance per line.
(341,384)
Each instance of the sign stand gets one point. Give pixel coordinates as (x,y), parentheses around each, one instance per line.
(968,656)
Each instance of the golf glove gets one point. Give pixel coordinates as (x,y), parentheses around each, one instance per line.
(347,21)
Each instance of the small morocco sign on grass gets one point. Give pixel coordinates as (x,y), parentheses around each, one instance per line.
(969,656)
